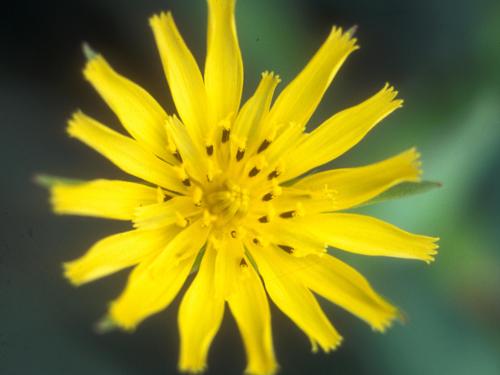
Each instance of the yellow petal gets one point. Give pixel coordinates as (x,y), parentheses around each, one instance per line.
(154,283)
(124,152)
(183,75)
(193,158)
(223,66)
(368,236)
(339,133)
(248,126)
(292,297)
(250,308)
(101,198)
(353,186)
(200,315)
(139,113)
(300,98)
(343,285)
(288,236)
(116,252)
(175,210)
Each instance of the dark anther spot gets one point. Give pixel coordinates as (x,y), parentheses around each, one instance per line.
(273,174)
(210,150)
(255,241)
(178,155)
(233,233)
(264,219)
(267,197)
(239,154)
(288,249)
(253,172)
(186,182)
(225,135)
(265,144)
(243,263)
(287,214)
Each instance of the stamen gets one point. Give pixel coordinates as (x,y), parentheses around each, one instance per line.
(288,214)
(240,154)
(210,150)
(287,248)
(181,220)
(225,135)
(265,144)
(267,197)
(243,263)
(197,196)
(256,241)
(161,196)
(234,234)
(253,172)
(186,182)
(177,155)
(264,219)
(273,174)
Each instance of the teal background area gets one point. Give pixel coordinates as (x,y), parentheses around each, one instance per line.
(443,57)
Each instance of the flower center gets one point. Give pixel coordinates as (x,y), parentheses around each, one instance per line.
(228,202)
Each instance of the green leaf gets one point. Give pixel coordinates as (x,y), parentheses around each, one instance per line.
(48,181)
(404,189)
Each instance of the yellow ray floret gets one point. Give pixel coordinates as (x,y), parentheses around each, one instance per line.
(250,309)
(139,113)
(102,198)
(350,187)
(155,282)
(340,133)
(200,315)
(183,75)
(294,299)
(343,285)
(124,152)
(223,66)
(368,236)
(116,252)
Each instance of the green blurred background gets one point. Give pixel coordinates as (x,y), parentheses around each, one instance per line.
(443,56)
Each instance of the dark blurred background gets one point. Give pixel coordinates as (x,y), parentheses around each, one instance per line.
(443,56)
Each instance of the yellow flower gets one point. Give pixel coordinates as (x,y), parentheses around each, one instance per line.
(221,184)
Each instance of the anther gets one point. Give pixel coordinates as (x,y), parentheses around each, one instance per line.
(273,174)
(177,155)
(234,234)
(256,241)
(210,150)
(240,153)
(287,248)
(264,219)
(288,214)
(225,135)
(265,144)
(253,172)
(186,182)
(267,197)
(243,263)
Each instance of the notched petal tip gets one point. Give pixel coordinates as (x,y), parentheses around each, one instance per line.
(73,273)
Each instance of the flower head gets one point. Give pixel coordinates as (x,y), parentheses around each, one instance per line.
(223,195)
